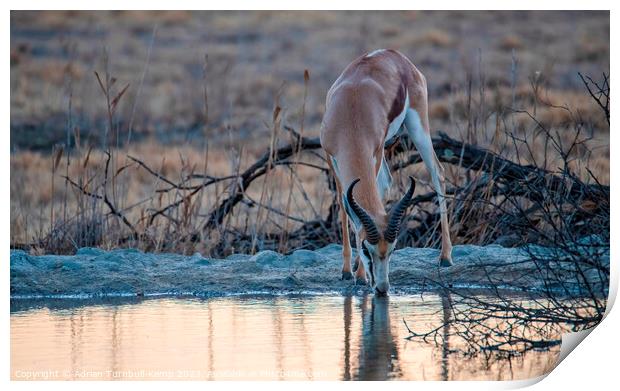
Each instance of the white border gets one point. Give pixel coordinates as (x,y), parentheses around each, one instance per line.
(591,366)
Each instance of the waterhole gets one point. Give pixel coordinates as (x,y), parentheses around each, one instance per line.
(254,338)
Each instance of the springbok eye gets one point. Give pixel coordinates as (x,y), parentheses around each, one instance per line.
(365,250)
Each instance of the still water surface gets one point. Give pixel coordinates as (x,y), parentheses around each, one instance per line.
(323,338)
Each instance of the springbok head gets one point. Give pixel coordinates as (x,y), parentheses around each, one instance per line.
(377,247)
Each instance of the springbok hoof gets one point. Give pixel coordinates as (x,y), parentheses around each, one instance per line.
(443,262)
(347,276)
(361,281)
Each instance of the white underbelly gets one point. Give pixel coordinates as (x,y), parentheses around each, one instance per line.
(396,125)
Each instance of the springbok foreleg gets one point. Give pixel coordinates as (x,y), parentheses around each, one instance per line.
(344,226)
(360,272)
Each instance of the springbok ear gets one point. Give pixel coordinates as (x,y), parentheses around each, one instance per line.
(352,216)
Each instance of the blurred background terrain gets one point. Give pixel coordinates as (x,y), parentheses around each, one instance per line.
(181,96)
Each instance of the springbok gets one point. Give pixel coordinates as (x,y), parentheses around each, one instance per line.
(378,96)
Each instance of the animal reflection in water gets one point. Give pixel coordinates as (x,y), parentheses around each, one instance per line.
(379,351)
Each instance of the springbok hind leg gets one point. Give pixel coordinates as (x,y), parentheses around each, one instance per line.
(423,143)
(344,228)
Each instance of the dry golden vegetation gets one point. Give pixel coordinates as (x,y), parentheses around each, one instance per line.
(210,92)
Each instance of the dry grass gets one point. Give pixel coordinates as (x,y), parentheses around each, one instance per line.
(513,85)
(510,43)
(300,193)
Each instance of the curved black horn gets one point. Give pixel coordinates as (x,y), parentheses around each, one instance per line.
(398,211)
(371,229)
